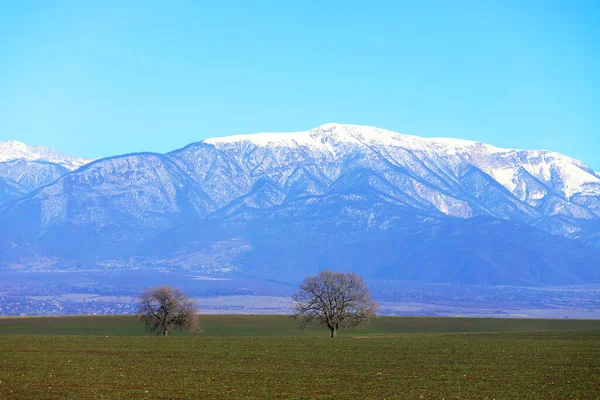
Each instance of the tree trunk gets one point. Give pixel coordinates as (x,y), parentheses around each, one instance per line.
(333,331)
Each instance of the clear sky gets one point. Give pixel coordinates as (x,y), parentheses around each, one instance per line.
(98,78)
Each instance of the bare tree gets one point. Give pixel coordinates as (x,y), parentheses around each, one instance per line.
(163,308)
(334,300)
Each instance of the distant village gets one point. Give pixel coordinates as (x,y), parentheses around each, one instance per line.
(21,306)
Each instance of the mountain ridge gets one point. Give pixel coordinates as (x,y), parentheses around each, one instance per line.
(11,150)
(31,167)
(341,183)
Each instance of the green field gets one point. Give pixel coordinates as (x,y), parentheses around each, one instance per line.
(240,356)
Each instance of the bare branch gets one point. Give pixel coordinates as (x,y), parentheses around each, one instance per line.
(333,300)
(164,308)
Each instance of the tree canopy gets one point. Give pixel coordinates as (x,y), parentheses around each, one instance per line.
(334,300)
(165,308)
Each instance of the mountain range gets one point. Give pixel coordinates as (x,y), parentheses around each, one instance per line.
(24,168)
(280,206)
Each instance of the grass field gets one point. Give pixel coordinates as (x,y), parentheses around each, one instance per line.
(282,325)
(267,357)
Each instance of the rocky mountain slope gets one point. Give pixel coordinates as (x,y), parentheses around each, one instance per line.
(281,205)
(24,168)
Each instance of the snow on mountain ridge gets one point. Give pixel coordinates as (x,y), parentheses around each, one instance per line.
(561,173)
(347,133)
(13,150)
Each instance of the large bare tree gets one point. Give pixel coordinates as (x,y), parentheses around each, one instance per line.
(334,300)
(165,308)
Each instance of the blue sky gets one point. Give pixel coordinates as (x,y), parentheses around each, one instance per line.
(108,77)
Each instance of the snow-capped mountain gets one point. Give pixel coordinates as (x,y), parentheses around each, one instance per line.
(282,204)
(26,168)
(531,176)
(14,150)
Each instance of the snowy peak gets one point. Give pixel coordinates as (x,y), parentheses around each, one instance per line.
(558,172)
(334,133)
(14,150)
(378,136)
(317,137)
(564,175)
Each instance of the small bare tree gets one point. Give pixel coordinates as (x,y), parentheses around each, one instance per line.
(334,300)
(164,308)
